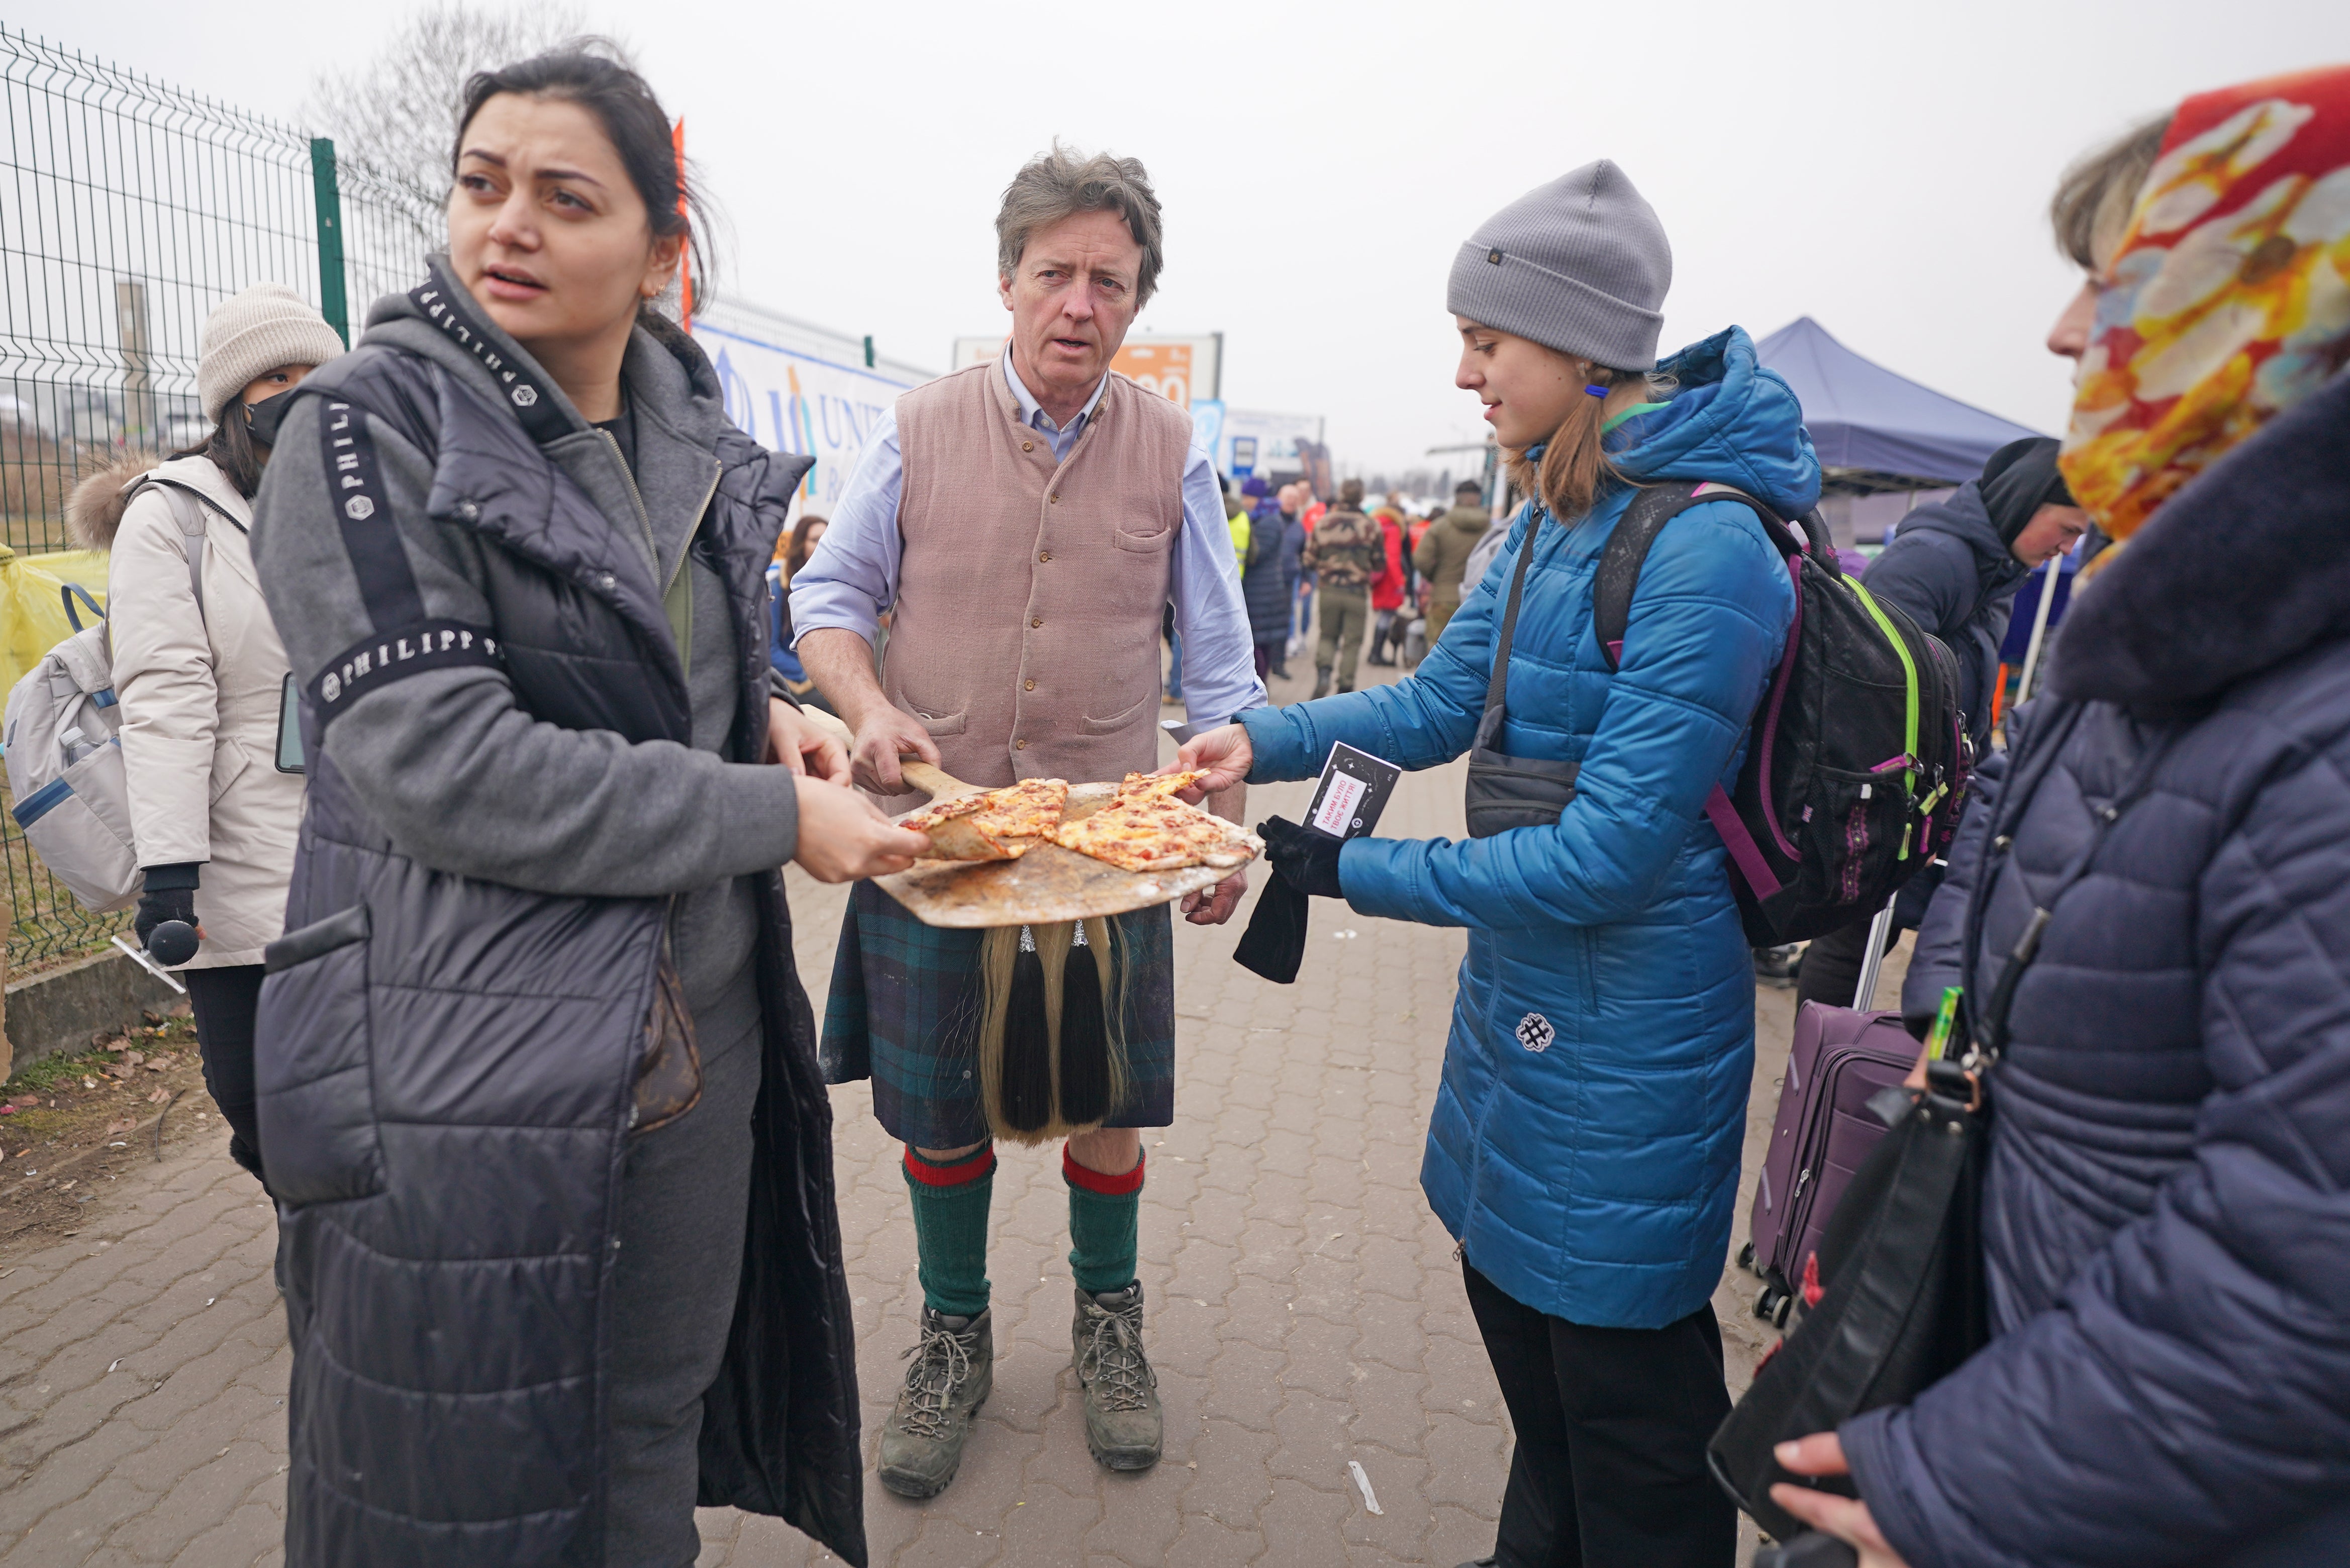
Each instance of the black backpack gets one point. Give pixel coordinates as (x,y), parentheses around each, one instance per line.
(1856,762)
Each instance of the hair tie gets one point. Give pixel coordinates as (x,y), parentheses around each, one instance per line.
(1597,391)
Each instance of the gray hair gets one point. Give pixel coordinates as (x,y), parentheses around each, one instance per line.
(1064,182)
(2092,207)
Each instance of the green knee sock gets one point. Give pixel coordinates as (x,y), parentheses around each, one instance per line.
(1102,1214)
(950,1229)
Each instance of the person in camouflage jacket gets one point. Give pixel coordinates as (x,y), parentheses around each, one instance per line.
(1345,552)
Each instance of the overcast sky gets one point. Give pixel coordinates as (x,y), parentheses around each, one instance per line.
(1882,166)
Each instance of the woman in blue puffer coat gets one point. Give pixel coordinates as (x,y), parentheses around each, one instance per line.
(1585,1143)
(2167,1208)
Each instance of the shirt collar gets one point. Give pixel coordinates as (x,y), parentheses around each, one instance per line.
(1031,412)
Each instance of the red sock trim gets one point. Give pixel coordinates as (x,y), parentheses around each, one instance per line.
(1098,1182)
(955,1175)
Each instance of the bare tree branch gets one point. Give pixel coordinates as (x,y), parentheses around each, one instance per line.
(395,118)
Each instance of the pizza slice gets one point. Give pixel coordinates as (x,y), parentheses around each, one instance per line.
(1167,784)
(956,833)
(995,824)
(1029,809)
(1154,831)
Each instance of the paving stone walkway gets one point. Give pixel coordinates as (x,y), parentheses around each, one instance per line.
(1304,1309)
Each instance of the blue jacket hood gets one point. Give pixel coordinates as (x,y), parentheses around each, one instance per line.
(1731,421)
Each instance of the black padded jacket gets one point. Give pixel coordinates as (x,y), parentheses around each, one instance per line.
(447,1062)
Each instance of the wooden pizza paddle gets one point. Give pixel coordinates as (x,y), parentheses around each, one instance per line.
(1045,885)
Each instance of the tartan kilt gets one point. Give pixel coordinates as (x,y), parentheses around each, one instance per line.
(904,1012)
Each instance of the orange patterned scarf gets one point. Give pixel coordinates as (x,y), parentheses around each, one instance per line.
(2228,300)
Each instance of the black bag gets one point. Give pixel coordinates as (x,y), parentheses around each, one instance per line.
(1856,763)
(1505,791)
(1902,1261)
(1901,1299)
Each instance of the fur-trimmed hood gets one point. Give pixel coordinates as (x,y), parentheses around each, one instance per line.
(97,504)
(2243,568)
(94,506)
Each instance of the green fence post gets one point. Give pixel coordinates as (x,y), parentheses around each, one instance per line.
(332,303)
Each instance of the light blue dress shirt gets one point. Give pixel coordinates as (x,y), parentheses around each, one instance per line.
(852,575)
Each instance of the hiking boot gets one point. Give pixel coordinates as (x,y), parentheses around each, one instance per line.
(1322,681)
(1123,1426)
(952,1372)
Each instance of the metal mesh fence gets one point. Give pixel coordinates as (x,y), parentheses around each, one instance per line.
(129,210)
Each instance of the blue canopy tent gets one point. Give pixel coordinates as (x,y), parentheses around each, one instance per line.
(1884,443)
(1876,431)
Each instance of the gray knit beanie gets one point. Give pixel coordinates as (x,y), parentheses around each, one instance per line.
(1580,264)
(251,334)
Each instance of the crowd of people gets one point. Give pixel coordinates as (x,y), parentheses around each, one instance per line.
(500,1001)
(1405,570)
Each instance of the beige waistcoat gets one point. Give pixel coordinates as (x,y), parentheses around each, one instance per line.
(1026,635)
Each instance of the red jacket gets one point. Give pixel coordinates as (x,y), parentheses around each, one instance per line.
(1387,588)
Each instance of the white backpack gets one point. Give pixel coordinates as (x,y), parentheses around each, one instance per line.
(63,750)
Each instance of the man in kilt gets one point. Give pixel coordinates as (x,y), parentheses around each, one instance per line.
(1025,523)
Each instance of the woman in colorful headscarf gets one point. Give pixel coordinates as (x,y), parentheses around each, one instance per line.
(2166,1212)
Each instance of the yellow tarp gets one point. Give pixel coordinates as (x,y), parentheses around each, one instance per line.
(31,604)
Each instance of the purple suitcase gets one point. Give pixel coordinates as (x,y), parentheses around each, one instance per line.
(1823,1129)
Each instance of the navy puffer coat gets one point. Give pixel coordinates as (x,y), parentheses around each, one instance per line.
(1264,580)
(2168,1208)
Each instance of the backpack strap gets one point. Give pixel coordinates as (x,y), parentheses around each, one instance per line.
(1611,613)
(184,500)
(72,591)
(1657,504)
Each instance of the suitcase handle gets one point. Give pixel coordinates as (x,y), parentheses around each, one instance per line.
(1872,960)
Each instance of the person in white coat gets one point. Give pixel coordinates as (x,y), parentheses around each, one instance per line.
(212,817)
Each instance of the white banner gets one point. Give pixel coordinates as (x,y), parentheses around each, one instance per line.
(801,397)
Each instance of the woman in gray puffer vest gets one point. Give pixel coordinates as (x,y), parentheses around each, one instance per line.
(537,1082)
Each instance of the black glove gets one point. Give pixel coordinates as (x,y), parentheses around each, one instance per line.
(1304,862)
(170,893)
(1305,858)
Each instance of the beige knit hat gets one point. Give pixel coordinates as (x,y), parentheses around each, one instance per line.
(251,334)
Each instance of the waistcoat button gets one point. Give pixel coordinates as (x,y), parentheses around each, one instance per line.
(1019,745)
(1055,496)
(1045,555)
(1027,446)
(1038,620)
(1031,684)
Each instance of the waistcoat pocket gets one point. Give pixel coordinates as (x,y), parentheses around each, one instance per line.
(1146,543)
(1116,722)
(314,1064)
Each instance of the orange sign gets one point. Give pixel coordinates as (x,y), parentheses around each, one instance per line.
(1162,368)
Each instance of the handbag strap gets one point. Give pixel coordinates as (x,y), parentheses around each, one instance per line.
(1497,686)
(1988,1033)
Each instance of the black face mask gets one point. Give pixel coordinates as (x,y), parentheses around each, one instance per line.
(262,418)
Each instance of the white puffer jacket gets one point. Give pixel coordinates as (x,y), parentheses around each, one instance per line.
(199,694)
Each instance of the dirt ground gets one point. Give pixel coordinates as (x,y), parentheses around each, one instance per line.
(72,1125)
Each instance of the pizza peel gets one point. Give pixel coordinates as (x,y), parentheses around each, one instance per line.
(1045,885)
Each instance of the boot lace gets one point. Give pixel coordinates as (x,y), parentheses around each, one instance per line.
(1121,1376)
(941,1360)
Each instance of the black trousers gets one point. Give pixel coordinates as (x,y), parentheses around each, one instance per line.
(1831,963)
(1612,1425)
(224,1002)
